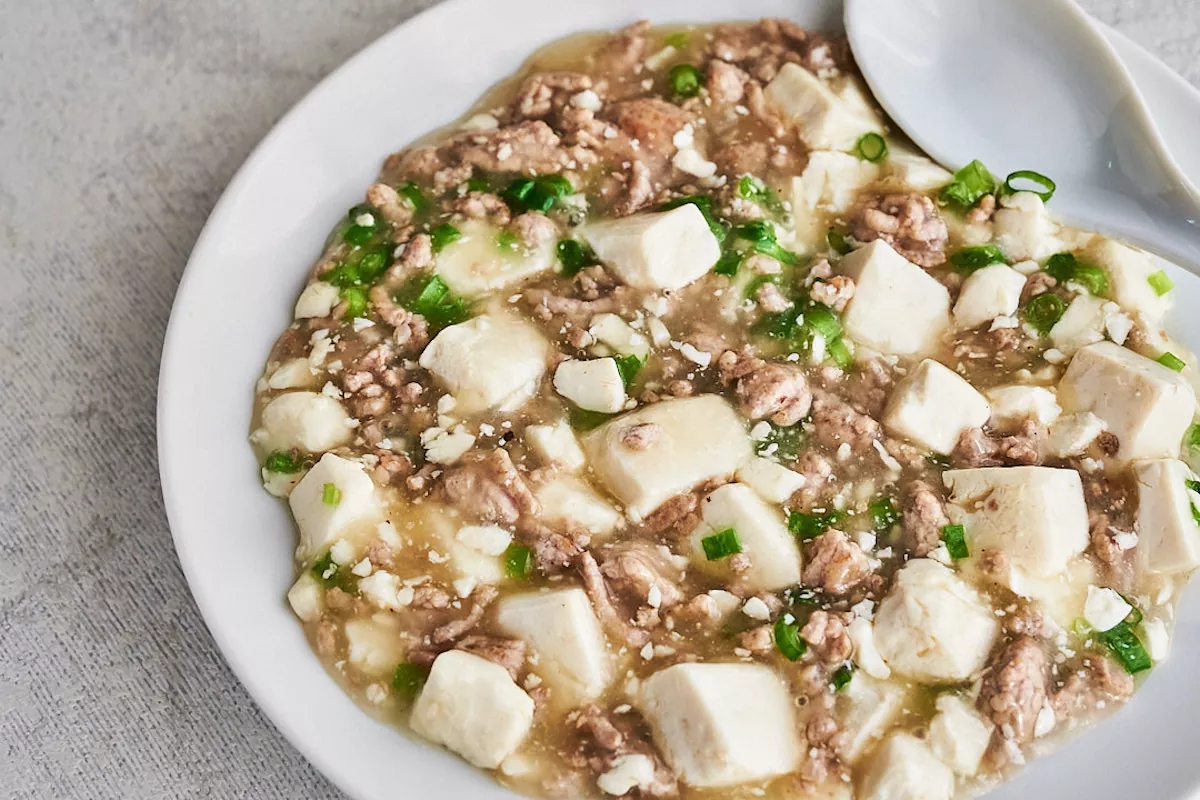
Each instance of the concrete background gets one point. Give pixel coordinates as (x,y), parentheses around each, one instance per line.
(120,124)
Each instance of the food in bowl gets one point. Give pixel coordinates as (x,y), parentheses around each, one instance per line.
(670,425)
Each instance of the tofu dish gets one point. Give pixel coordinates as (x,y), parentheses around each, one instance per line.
(670,427)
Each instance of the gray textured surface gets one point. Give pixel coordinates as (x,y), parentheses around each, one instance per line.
(120,124)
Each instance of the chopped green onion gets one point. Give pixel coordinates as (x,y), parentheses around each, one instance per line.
(1043,312)
(629,366)
(372,263)
(1081,629)
(755,190)
(782,443)
(1092,277)
(515,193)
(583,420)
(536,194)
(761,235)
(938,461)
(1172,362)
(728,264)
(1062,266)
(282,462)
(840,354)
(478,184)
(678,40)
(1125,645)
(557,186)
(326,570)
(1192,484)
(872,147)
(955,538)
(1161,282)
(443,235)
(883,514)
(971,184)
(820,319)
(518,561)
(838,243)
(408,679)
(801,596)
(685,80)
(331,495)
(970,259)
(359,235)
(432,299)
(357,301)
(574,256)
(842,677)
(788,641)
(413,194)
(721,545)
(507,240)
(810,526)
(1048,186)
(1192,437)
(705,205)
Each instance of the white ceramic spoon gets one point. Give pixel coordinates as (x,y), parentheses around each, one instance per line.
(1030,85)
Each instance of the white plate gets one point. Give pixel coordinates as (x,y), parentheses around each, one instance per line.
(235,542)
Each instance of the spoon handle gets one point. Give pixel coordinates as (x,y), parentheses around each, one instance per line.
(1165,225)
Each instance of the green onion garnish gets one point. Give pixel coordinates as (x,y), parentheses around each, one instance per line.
(1192,437)
(842,677)
(685,80)
(971,184)
(761,235)
(431,298)
(755,190)
(883,514)
(840,353)
(872,147)
(823,321)
(583,420)
(536,194)
(938,461)
(784,444)
(678,40)
(506,240)
(1064,267)
(326,570)
(629,366)
(810,526)
(357,301)
(721,545)
(1048,186)
(574,256)
(518,561)
(478,183)
(1061,267)
(788,641)
(443,235)
(331,495)
(408,679)
(970,259)
(282,462)
(1172,362)
(728,264)
(955,538)
(838,243)
(1043,312)
(1161,282)
(413,194)
(1125,645)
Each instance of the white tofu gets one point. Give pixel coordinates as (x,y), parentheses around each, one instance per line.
(562,629)
(898,308)
(568,501)
(618,336)
(306,597)
(914,171)
(772,549)
(1081,325)
(824,120)
(1128,271)
(1014,405)
(472,706)
(1060,598)
(594,385)
(663,250)
(307,421)
(933,627)
(490,540)
(556,445)
(473,550)
(933,405)
(867,709)
(1024,231)
(905,768)
(628,772)
(294,373)
(373,645)
(774,482)
(1147,406)
(1036,516)
(1105,608)
(712,736)
(1168,537)
(866,653)
(317,300)
(280,484)
(476,266)
(489,362)
(991,292)
(831,182)
(1073,434)
(700,438)
(322,524)
(959,735)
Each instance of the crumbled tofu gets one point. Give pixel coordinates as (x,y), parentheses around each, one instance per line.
(491,540)
(475,266)
(319,522)
(693,162)
(824,121)
(866,654)
(567,501)
(1081,325)
(1168,537)
(933,627)
(663,250)
(628,772)
(1147,406)
(774,482)
(771,549)
(1073,434)
(382,589)
(933,405)
(867,708)
(280,484)
(1014,405)
(317,300)
(1156,638)
(1023,228)
(294,373)
(1128,272)
(988,293)
(472,706)
(594,385)
(755,608)
(1105,608)
(374,646)
(446,447)
(959,735)
(619,336)
(307,421)
(306,597)
(1045,722)
(831,181)
(489,362)
(712,736)
(562,629)
(556,445)
(698,438)
(898,308)
(905,768)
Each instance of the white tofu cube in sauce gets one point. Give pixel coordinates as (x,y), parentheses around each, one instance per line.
(898,308)
(476,265)
(1168,536)
(824,120)
(765,542)
(994,291)
(905,768)
(333,498)
(663,250)
(489,362)
(933,406)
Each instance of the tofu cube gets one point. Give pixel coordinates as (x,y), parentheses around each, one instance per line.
(562,629)
(1073,434)
(569,502)
(618,336)
(898,308)
(322,523)
(772,550)
(374,645)
(713,735)
(959,735)
(306,597)
(317,300)
(472,706)
(914,171)
(476,266)
(905,768)
(1023,229)
(696,439)
(1036,516)
(774,482)
(1081,325)
(556,445)
(1129,271)
(867,709)
(988,293)
(933,405)
(663,250)
(824,120)
(932,627)
(594,385)
(1013,405)
(295,373)
(1147,406)
(307,421)
(831,182)
(1168,537)
(489,362)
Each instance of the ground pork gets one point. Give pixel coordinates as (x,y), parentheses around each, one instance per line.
(908,222)
(834,564)
(924,519)
(488,487)
(1014,688)
(835,422)
(827,635)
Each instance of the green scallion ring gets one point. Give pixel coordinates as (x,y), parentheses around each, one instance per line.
(1048,186)
(872,147)
(685,80)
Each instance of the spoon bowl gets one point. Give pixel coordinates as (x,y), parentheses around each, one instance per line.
(1030,85)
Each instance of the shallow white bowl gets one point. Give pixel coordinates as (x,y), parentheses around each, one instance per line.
(235,542)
